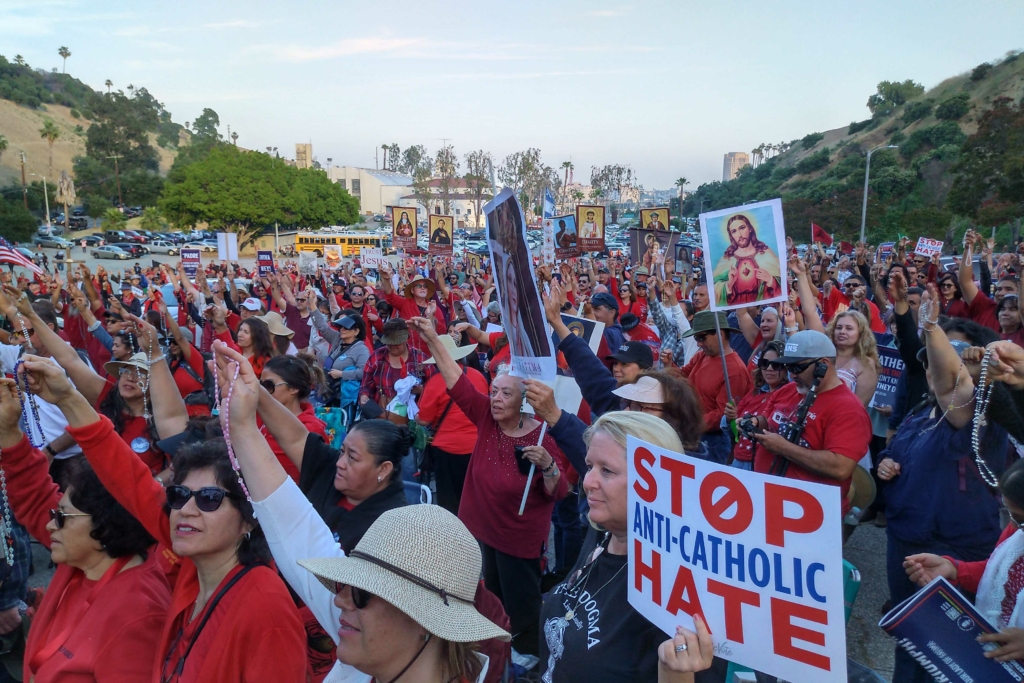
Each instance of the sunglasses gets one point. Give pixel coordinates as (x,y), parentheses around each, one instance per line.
(27,332)
(947,284)
(58,516)
(270,385)
(701,336)
(850,285)
(771,365)
(797,368)
(360,597)
(301,299)
(208,498)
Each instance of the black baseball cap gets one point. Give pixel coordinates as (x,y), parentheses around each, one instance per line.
(604,299)
(635,352)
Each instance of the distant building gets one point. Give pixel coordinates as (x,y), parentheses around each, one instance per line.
(303,155)
(734,161)
(462,204)
(376,190)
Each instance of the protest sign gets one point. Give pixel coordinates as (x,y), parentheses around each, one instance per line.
(654,219)
(190,262)
(590,331)
(884,249)
(684,260)
(590,220)
(440,229)
(372,257)
(939,627)
(645,245)
(566,240)
(227,246)
(264,263)
(307,263)
(741,255)
(890,368)
(759,557)
(522,312)
(332,257)
(928,247)
(403,220)
(547,247)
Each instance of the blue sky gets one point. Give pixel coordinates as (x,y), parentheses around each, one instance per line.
(666,87)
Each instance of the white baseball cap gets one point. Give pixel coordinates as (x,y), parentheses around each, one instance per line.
(252,304)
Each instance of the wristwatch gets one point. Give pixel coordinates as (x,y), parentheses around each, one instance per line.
(49,451)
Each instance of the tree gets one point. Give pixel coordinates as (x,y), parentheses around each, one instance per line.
(413,159)
(3,146)
(568,168)
(234,139)
(109,83)
(892,94)
(19,60)
(477,177)
(446,167)
(990,171)
(681,182)
(96,205)
(66,195)
(527,176)
(394,155)
(113,219)
(953,108)
(152,219)
(64,54)
(19,224)
(981,71)
(612,183)
(50,133)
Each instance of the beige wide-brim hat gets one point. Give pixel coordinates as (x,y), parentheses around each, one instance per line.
(644,390)
(422,560)
(431,287)
(138,360)
(862,488)
(456,352)
(276,324)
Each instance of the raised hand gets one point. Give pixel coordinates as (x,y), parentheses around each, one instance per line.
(687,652)
(925,567)
(45,378)
(425,327)
(542,398)
(245,395)
(10,407)
(1007,364)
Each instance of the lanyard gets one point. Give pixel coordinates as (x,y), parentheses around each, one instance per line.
(50,649)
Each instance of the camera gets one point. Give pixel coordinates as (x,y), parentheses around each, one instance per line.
(748,426)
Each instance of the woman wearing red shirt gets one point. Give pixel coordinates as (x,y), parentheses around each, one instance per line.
(452,430)
(101,617)
(231,617)
(628,302)
(768,376)
(254,341)
(289,379)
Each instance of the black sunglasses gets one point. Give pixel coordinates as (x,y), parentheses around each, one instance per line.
(797,368)
(851,284)
(771,364)
(360,597)
(701,336)
(208,498)
(270,385)
(58,516)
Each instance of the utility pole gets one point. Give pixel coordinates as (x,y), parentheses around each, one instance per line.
(867,172)
(24,186)
(117,174)
(46,200)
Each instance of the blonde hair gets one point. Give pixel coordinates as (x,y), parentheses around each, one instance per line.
(621,423)
(866,349)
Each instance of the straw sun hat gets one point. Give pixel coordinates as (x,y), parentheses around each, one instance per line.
(138,361)
(456,352)
(422,560)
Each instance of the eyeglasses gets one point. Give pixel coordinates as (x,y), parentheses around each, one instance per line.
(851,285)
(301,299)
(701,336)
(947,285)
(360,596)
(650,408)
(27,332)
(58,516)
(270,385)
(771,365)
(208,498)
(1013,520)
(797,368)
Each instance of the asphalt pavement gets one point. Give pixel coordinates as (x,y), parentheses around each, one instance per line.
(865,642)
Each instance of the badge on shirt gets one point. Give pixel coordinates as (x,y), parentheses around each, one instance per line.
(140,444)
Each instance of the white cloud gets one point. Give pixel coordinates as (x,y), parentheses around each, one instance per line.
(347,47)
(240,23)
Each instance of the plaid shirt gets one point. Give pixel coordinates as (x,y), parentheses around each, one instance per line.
(379,376)
(15,586)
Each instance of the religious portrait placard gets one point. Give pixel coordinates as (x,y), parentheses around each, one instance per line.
(742,248)
(563,230)
(590,222)
(646,245)
(654,219)
(440,231)
(332,257)
(403,220)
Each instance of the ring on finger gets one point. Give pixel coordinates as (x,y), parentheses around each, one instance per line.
(681,648)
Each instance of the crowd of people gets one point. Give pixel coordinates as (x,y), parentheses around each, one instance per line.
(207,523)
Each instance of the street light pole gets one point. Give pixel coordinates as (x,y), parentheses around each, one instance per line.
(867,172)
(46,201)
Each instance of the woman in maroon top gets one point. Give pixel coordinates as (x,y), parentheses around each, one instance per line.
(511,543)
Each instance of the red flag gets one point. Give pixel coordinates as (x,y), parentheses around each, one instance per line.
(819,235)
(846,247)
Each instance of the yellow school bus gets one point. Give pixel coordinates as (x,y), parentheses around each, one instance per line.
(351,243)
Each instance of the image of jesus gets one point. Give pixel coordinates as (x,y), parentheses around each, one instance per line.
(749,271)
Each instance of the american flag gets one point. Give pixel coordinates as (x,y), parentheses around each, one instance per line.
(8,254)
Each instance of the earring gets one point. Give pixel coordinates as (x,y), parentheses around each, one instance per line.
(248,535)
(378,479)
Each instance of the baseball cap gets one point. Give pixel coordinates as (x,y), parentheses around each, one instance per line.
(357,271)
(635,352)
(125,284)
(958,346)
(252,304)
(806,345)
(604,299)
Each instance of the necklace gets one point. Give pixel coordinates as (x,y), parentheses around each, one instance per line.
(980,407)
(6,538)
(227,426)
(29,408)
(591,563)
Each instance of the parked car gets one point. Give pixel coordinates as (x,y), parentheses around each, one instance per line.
(78,223)
(55,242)
(110,251)
(163,247)
(173,237)
(134,236)
(136,250)
(92,240)
(114,236)
(27,253)
(202,246)
(78,211)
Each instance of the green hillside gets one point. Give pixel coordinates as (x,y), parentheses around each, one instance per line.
(961,146)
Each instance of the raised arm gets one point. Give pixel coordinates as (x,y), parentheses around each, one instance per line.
(169,412)
(950,380)
(965,274)
(808,300)
(748,327)
(448,368)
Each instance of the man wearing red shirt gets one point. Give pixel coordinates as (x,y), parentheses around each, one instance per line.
(418,295)
(836,428)
(981,308)
(705,374)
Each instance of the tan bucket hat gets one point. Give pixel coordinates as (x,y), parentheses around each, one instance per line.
(422,560)
(456,352)
(138,360)
(276,324)
(431,287)
(644,390)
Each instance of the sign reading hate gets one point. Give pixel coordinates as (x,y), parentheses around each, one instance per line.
(928,247)
(758,557)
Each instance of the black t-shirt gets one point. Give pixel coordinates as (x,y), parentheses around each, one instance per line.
(606,640)
(316,480)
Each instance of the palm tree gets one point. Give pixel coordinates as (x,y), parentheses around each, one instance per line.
(64,53)
(65,195)
(19,60)
(109,84)
(130,89)
(50,133)
(3,146)
(234,139)
(568,167)
(681,182)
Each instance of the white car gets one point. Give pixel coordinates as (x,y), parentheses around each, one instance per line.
(163,247)
(110,252)
(202,246)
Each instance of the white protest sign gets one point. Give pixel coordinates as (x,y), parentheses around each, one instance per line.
(928,247)
(758,556)
(227,246)
(371,257)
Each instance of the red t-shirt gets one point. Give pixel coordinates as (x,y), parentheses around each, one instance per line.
(136,435)
(837,422)
(456,433)
(751,404)
(502,356)
(705,374)
(982,310)
(307,416)
(183,380)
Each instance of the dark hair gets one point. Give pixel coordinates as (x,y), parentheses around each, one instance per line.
(1011,484)
(115,407)
(213,455)
(688,308)
(262,340)
(128,340)
(384,308)
(915,290)
(681,409)
(357,317)
(1005,299)
(758,245)
(949,277)
(976,334)
(779,347)
(293,371)
(156,319)
(46,312)
(119,533)
(387,442)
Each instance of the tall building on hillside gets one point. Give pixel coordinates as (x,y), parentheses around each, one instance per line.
(303,155)
(734,161)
